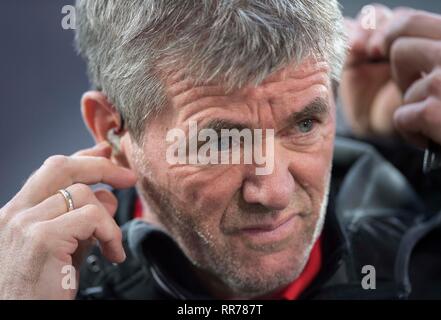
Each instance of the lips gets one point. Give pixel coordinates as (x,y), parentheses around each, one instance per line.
(262,228)
(271,236)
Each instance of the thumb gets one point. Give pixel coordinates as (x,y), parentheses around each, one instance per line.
(102,149)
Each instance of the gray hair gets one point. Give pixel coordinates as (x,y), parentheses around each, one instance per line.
(129,45)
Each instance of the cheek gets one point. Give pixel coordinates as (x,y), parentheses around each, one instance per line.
(311,171)
(205,190)
(193,189)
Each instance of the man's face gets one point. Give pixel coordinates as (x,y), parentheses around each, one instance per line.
(252,233)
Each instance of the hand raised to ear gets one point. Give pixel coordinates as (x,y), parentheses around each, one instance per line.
(43,230)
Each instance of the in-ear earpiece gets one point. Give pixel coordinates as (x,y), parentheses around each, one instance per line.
(115,141)
(114,137)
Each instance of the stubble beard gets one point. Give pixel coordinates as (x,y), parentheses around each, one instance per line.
(199,246)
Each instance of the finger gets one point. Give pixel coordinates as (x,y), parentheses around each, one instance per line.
(412,56)
(373,15)
(357,43)
(84,223)
(423,88)
(356,34)
(420,121)
(108,200)
(376,41)
(82,251)
(103,149)
(407,120)
(383,107)
(81,194)
(382,17)
(370,18)
(59,172)
(413,23)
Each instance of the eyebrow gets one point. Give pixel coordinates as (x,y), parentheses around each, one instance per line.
(220,124)
(318,109)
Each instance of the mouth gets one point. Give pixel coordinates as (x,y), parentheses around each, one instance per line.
(267,227)
(271,233)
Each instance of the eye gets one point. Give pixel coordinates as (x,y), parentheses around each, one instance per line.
(306,125)
(226,143)
(223,144)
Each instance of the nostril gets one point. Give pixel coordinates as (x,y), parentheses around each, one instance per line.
(273,197)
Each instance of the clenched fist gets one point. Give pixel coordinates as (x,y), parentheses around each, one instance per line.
(39,236)
(383,62)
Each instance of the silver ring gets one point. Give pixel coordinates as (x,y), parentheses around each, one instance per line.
(68,198)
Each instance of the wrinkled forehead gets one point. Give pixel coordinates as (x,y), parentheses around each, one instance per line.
(292,87)
(287,78)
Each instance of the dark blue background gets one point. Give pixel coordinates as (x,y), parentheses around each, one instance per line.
(42,80)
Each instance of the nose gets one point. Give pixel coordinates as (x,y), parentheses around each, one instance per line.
(274,191)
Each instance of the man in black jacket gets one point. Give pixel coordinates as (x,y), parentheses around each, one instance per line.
(223,115)
(396,235)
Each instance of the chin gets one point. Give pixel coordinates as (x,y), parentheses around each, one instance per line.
(253,274)
(266,275)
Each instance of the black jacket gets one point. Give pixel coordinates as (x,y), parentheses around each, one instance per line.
(374,218)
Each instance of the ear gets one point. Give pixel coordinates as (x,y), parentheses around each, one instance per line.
(100,117)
